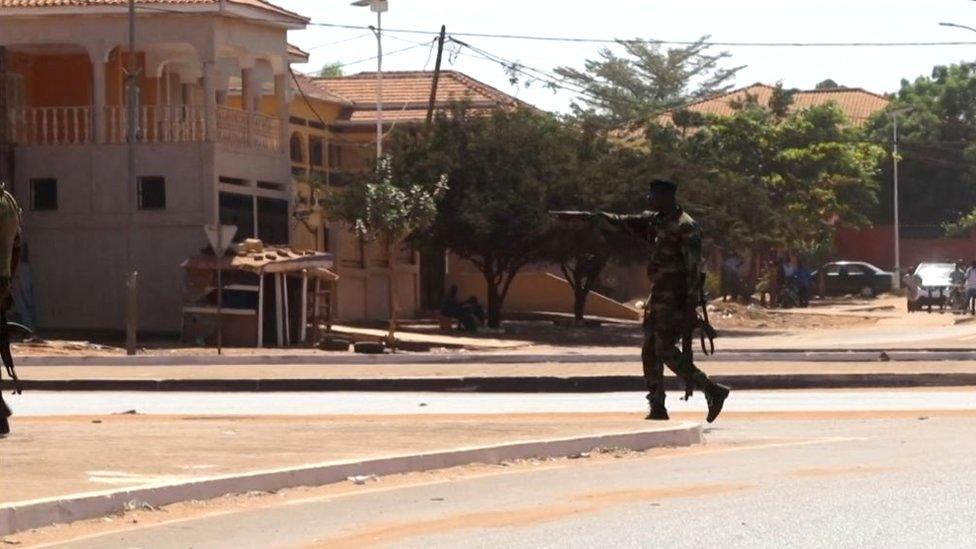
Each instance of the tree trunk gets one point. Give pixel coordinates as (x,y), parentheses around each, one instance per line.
(494,303)
(391,337)
(579,304)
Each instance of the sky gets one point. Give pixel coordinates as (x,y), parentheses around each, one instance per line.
(877,69)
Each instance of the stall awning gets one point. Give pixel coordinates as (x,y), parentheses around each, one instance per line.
(272,259)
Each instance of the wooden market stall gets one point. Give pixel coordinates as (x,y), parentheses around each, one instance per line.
(270,293)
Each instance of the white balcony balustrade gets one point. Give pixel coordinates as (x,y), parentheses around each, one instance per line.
(248,129)
(50,125)
(59,126)
(158,124)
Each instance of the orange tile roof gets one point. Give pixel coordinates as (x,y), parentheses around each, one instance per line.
(857,104)
(298,53)
(315,90)
(407,93)
(260,4)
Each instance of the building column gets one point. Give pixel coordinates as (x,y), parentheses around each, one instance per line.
(210,99)
(281,99)
(98,101)
(248,89)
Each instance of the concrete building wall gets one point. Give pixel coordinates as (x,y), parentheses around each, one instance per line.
(80,250)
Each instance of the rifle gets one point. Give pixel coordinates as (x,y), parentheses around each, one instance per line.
(705,330)
(8,359)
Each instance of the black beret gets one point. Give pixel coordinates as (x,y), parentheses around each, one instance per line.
(662,186)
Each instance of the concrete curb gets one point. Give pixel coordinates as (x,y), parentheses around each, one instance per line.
(21,516)
(733,355)
(512,384)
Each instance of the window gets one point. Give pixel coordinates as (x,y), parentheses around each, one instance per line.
(152,193)
(316,153)
(44,194)
(273,220)
(238,209)
(297,148)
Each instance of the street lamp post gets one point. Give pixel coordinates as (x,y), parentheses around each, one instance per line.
(378,7)
(896,283)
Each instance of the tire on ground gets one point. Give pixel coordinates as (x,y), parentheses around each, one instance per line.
(369,347)
(334,344)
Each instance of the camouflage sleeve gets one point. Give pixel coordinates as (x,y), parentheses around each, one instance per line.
(639,225)
(691,250)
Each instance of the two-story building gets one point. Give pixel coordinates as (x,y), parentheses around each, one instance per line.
(200,155)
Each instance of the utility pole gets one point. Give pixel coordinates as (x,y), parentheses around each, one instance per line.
(379,85)
(897,227)
(6,169)
(896,283)
(437,76)
(132,131)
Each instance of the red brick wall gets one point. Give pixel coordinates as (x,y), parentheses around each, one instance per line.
(876,245)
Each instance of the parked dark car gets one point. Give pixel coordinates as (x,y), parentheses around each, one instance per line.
(854,277)
(930,286)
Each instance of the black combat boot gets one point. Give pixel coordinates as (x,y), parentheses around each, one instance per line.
(715,394)
(658,413)
(4,414)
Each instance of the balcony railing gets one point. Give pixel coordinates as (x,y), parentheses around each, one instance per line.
(248,129)
(157,124)
(51,125)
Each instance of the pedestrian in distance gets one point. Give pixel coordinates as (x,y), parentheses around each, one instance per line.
(971,289)
(674,268)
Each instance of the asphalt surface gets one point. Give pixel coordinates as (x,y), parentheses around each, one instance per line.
(94,403)
(756,484)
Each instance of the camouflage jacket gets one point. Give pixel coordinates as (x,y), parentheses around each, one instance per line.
(675,256)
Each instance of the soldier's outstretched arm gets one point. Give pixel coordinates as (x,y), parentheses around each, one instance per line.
(639,225)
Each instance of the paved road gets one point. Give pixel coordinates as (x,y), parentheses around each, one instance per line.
(757,484)
(84,403)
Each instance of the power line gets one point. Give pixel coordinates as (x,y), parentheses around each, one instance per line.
(591,40)
(343,41)
(855,44)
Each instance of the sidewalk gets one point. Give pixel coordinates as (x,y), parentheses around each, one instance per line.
(491,377)
(58,470)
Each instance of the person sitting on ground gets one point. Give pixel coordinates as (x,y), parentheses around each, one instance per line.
(475,310)
(452,308)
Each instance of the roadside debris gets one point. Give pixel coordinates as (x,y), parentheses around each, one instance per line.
(363,479)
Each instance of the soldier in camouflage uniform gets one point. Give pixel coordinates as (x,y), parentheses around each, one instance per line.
(9,259)
(674,269)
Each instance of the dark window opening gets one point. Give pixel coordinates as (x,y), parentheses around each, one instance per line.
(152,193)
(270,186)
(238,209)
(316,154)
(273,221)
(296,147)
(44,194)
(233,181)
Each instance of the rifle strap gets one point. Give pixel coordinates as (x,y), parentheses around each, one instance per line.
(8,359)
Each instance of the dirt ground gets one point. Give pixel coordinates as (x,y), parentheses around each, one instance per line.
(544,329)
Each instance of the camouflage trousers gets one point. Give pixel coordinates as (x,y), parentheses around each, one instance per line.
(662,335)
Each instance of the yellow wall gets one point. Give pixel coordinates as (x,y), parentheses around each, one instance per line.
(540,291)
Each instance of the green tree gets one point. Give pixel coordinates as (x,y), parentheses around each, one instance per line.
(389,210)
(937,145)
(605,177)
(501,167)
(331,70)
(647,80)
(765,180)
